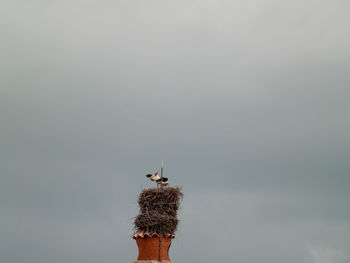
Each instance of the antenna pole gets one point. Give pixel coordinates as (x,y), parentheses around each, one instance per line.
(160,234)
(161,174)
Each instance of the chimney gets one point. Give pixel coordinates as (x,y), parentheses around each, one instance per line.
(152,247)
(156,223)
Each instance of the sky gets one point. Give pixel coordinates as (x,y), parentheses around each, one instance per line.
(247,103)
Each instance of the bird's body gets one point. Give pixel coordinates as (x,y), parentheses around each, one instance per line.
(163,181)
(153,177)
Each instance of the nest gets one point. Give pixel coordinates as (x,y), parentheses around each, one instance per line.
(155,222)
(164,201)
(158,210)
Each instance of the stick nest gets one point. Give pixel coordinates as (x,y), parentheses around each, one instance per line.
(158,210)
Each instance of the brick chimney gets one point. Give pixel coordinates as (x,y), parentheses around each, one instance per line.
(152,247)
(156,223)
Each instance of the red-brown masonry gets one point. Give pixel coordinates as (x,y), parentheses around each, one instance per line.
(149,248)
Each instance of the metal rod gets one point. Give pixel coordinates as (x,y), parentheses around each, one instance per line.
(161,170)
(160,234)
(160,246)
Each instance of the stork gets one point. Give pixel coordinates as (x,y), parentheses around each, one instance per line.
(163,181)
(153,177)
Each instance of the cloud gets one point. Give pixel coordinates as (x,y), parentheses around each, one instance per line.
(327,255)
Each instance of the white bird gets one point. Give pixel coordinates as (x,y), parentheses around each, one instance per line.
(153,177)
(163,181)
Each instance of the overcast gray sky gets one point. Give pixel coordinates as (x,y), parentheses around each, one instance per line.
(247,103)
